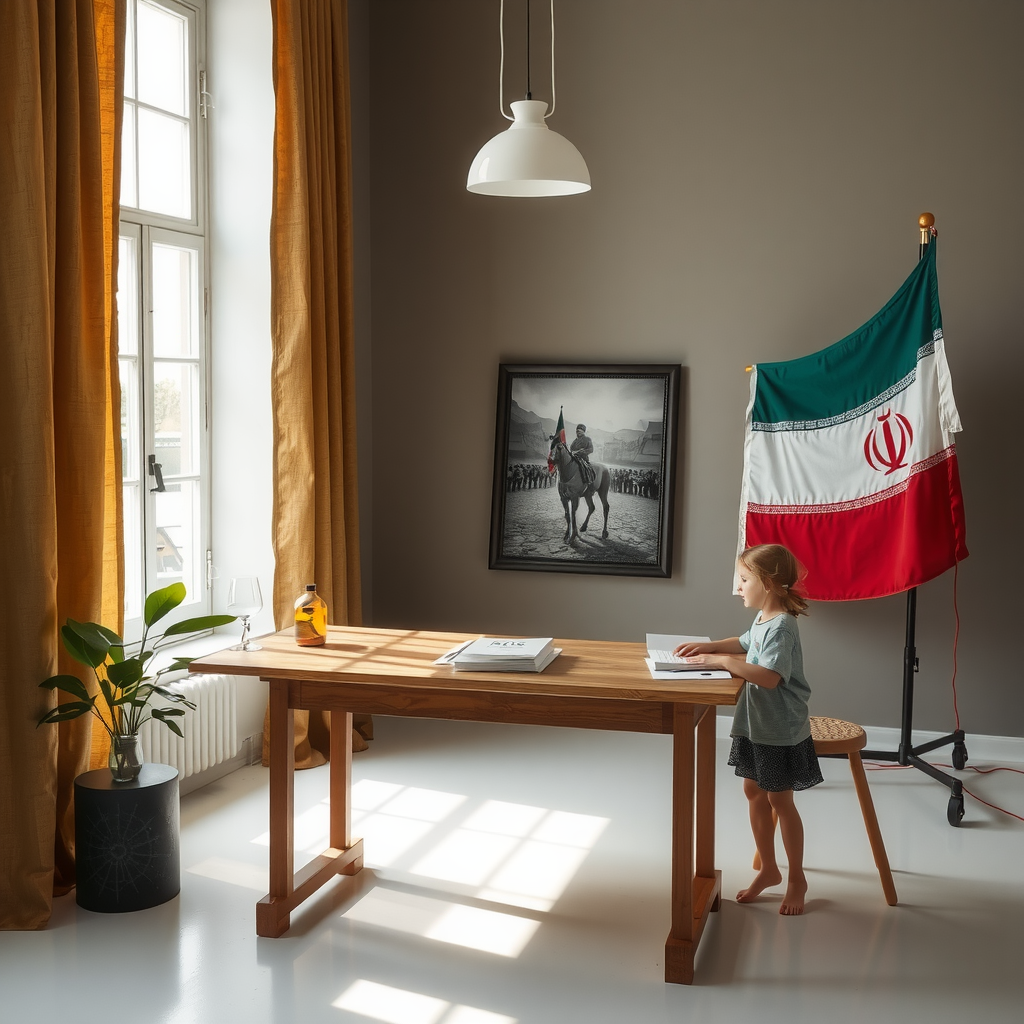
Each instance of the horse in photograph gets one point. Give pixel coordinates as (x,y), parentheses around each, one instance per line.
(573,485)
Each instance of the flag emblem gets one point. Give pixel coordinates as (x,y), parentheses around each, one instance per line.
(890,455)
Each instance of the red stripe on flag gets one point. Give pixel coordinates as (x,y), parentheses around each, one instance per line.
(879,549)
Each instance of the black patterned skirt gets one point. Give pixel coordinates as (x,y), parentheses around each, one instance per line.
(776,769)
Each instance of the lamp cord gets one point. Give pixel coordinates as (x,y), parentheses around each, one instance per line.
(552,110)
(501,62)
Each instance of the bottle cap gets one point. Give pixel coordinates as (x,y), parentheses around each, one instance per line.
(311,586)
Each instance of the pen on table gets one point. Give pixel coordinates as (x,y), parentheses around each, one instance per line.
(452,655)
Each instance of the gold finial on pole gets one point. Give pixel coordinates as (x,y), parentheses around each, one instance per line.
(926,222)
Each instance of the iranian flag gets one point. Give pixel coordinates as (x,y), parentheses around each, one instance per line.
(849,457)
(559,435)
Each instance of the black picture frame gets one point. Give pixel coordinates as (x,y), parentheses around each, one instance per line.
(633,412)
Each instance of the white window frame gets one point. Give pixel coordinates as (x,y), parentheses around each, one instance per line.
(147,229)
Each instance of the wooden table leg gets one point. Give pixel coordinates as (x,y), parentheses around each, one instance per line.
(289,888)
(705,847)
(696,886)
(273,912)
(341,790)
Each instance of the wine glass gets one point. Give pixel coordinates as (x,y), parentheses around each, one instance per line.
(245,600)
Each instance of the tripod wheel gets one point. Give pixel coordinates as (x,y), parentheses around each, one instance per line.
(959,756)
(955,810)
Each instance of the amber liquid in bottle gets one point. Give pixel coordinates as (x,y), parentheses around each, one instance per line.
(310,618)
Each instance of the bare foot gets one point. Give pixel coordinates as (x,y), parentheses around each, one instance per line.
(764,879)
(793,901)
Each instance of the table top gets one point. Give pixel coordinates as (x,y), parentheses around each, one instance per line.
(404,658)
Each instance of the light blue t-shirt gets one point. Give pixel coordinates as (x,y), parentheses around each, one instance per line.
(777,717)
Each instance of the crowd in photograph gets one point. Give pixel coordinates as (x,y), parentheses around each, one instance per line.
(644,483)
(526,476)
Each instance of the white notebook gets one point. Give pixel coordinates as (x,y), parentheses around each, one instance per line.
(664,664)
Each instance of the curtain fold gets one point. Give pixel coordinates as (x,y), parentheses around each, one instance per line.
(315,520)
(60,488)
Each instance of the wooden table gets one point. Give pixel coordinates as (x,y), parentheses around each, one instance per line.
(592,685)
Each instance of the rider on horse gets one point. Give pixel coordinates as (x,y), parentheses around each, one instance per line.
(580,450)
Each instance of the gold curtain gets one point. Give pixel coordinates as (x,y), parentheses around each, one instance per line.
(315,526)
(60,487)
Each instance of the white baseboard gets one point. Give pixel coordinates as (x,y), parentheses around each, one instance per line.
(988,749)
(251,752)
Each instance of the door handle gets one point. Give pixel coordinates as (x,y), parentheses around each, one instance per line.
(155,469)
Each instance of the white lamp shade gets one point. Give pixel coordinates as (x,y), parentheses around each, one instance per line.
(528,159)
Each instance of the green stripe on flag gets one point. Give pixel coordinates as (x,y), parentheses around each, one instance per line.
(854,372)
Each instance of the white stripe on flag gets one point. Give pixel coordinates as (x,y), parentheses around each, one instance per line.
(829,465)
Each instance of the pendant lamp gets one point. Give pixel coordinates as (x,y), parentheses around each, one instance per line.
(528,158)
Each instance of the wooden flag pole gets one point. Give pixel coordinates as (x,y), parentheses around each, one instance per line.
(908,755)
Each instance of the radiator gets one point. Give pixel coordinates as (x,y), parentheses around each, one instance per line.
(211,731)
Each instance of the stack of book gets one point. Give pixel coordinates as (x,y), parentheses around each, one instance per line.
(492,654)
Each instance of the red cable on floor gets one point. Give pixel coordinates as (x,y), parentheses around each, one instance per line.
(874,766)
(994,806)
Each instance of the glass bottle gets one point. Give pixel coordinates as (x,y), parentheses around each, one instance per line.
(310,618)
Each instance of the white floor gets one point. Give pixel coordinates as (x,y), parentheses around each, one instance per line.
(519,874)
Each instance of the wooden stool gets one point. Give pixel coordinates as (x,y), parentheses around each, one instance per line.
(835,738)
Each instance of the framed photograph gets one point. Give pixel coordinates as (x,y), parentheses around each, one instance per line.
(584,469)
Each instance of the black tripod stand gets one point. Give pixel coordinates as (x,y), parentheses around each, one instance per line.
(908,754)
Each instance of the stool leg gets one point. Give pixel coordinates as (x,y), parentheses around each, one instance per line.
(867,808)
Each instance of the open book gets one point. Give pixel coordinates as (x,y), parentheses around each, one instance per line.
(660,658)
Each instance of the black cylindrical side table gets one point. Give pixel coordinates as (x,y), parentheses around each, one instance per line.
(126,839)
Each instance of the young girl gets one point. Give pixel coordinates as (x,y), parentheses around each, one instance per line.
(772,748)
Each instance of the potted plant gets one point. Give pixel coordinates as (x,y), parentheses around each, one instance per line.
(124,683)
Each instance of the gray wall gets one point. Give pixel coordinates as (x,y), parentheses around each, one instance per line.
(758,171)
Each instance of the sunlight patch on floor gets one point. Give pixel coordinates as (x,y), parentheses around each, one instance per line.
(443,921)
(235,872)
(397,1006)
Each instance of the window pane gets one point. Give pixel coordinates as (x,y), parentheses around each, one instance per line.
(176,421)
(132,551)
(164,178)
(127,296)
(178,536)
(175,301)
(129,185)
(129,52)
(131,436)
(163,58)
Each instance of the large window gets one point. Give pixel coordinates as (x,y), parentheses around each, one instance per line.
(162,308)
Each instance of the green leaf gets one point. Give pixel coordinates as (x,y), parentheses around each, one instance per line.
(81,649)
(65,712)
(175,697)
(69,684)
(125,673)
(176,666)
(108,692)
(163,715)
(198,623)
(129,697)
(160,602)
(95,635)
